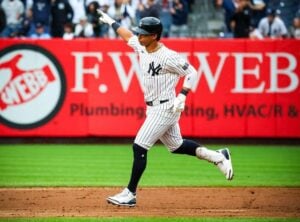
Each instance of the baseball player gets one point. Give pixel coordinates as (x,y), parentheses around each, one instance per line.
(161,70)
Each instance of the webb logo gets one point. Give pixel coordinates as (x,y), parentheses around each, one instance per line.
(32,86)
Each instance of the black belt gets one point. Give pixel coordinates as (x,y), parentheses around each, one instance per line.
(153,103)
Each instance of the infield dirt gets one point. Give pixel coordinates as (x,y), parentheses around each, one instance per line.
(152,202)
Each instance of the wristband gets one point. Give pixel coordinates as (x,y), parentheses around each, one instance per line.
(184,92)
(115,26)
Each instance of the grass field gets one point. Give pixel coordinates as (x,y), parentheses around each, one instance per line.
(110,165)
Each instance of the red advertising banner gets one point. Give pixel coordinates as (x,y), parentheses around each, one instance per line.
(90,87)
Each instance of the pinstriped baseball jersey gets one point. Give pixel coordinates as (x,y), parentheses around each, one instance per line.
(161,71)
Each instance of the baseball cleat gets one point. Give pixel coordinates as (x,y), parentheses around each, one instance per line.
(125,198)
(225,166)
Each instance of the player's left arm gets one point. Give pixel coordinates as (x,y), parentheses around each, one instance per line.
(125,33)
(189,80)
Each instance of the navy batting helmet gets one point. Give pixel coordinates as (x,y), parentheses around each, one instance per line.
(148,26)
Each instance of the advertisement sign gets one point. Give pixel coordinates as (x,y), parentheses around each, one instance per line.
(91,87)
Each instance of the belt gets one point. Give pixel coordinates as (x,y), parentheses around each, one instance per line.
(156,102)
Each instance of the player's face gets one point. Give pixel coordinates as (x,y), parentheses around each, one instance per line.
(146,40)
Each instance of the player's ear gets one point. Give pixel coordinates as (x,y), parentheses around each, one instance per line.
(154,36)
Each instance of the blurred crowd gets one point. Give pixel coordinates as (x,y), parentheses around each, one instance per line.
(261,18)
(71,19)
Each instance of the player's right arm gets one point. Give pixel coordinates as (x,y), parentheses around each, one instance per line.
(123,32)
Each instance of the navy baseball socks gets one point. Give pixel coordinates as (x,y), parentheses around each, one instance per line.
(187,147)
(128,196)
(138,167)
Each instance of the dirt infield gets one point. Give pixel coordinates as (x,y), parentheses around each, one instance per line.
(164,201)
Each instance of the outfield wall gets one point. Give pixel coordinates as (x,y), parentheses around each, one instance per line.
(90,87)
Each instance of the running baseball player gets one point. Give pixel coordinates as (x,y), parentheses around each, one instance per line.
(161,70)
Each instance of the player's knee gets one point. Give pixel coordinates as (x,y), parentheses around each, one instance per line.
(139,152)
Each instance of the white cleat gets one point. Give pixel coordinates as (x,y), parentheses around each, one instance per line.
(125,198)
(225,165)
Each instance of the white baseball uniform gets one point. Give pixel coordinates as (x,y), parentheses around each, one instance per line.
(161,71)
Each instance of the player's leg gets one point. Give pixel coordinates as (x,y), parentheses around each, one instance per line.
(153,127)
(221,158)
(138,166)
(128,196)
(173,140)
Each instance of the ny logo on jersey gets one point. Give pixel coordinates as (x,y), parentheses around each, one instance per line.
(154,70)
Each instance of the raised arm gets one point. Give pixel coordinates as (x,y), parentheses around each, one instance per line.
(125,33)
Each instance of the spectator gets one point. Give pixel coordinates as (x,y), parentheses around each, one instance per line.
(258,8)
(41,14)
(166,17)
(272,26)
(241,20)
(78,10)
(255,34)
(2,19)
(92,17)
(149,9)
(100,2)
(13,10)
(123,13)
(62,13)
(295,29)
(83,29)
(134,4)
(286,8)
(229,7)
(68,31)
(179,12)
(40,32)
(27,24)
(104,28)
(190,5)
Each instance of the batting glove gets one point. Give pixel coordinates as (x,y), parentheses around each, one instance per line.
(103,17)
(179,103)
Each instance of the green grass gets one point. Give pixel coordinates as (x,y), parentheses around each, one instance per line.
(110,165)
(151,219)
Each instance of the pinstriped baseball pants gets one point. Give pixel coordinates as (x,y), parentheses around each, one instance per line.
(160,124)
